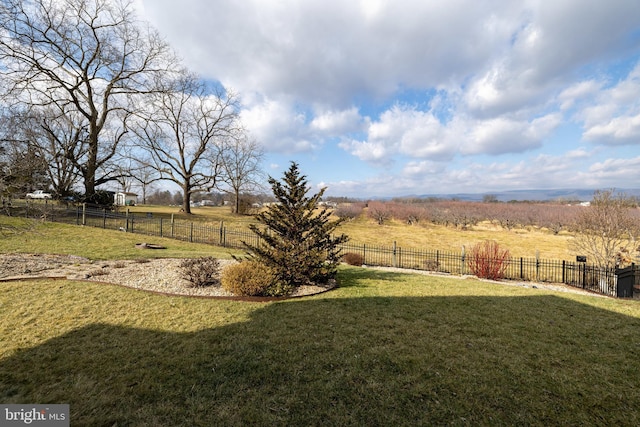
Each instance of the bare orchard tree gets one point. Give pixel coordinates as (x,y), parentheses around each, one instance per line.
(606,229)
(183,131)
(89,56)
(241,160)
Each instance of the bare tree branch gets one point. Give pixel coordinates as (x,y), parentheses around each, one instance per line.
(87,56)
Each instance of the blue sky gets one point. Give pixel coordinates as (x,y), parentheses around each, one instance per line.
(391,98)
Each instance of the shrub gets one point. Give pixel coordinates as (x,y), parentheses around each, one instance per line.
(98,272)
(201,272)
(251,278)
(431,265)
(352,258)
(488,260)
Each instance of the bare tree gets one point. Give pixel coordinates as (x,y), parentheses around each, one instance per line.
(183,133)
(380,211)
(53,138)
(89,56)
(145,176)
(22,167)
(606,228)
(241,159)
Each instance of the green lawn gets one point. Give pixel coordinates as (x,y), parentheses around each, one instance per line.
(383,349)
(27,236)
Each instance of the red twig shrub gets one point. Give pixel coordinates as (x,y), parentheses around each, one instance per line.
(488,260)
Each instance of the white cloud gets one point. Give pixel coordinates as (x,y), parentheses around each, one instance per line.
(325,51)
(505,135)
(576,92)
(278,127)
(621,130)
(373,152)
(405,131)
(333,123)
(613,116)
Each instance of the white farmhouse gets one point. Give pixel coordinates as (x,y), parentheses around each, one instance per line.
(125,199)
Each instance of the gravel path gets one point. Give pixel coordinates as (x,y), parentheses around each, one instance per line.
(162,275)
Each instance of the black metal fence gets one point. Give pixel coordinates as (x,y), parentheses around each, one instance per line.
(576,274)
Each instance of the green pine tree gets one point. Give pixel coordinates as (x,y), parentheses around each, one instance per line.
(296,241)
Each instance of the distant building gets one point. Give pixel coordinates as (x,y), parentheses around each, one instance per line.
(125,199)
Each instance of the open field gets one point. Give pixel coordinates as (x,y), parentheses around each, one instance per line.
(385,348)
(27,236)
(425,235)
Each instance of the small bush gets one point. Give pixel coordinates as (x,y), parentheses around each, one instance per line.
(352,258)
(431,265)
(249,278)
(201,272)
(488,260)
(98,272)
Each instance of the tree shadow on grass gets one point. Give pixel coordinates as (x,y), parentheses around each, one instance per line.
(356,276)
(364,361)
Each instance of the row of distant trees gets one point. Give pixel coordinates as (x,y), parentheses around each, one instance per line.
(464,214)
(245,205)
(92,96)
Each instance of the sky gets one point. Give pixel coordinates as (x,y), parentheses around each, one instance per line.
(376,98)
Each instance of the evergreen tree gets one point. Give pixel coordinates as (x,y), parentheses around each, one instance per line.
(296,241)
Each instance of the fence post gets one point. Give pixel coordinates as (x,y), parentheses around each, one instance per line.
(393,257)
(521,268)
(191,233)
(160,226)
(220,233)
(172,226)
(84,214)
(537,265)
(563,274)
(224,237)
(104,218)
(462,270)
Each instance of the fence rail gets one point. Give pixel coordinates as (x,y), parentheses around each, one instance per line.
(576,274)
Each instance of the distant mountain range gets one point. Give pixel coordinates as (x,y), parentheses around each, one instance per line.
(571,194)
